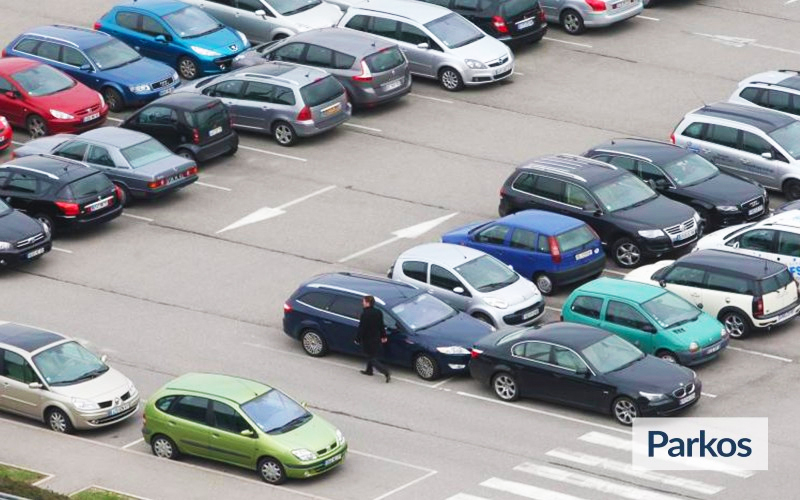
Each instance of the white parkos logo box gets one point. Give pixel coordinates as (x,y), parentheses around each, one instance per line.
(720,444)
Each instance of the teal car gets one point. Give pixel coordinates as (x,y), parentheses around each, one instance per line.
(241,422)
(653,319)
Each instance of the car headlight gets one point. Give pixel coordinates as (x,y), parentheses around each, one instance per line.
(4,245)
(727,208)
(45,228)
(500,304)
(132,389)
(723,333)
(453,349)
(652,396)
(204,52)
(239,57)
(61,115)
(694,347)
(339,437)
(696,218)
(304,454)
(139,89)
(84,404)
(102,99)
(651,233)
(175,76)
(241,35)
(473,64)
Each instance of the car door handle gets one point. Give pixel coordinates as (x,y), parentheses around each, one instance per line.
(327,321)
(171,422)
(215,435)
(745,162)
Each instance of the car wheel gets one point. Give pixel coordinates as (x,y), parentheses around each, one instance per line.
(284,134)
(59,421)
(505,387)
(313,343)
(125,195)
(667,356)
(271,471)
(791,189)
(703,225)
(572,22)
(625,410)
(426,367)
(185,153)
(187,68)
(482,317)
(451,79)
(164,447)
(544,283)
(113,99)
(626,253)
(504,208)
(46,221)
(736,324)
(37,127)
(648,3)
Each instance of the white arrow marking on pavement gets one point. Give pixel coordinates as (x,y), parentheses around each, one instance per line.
(411,232)
(790,1)
(265,213)
(745,42)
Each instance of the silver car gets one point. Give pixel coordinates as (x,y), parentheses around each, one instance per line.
(577,15)
(471,281)
(437,42)
(52,378)
(283,99)
(776,90)
(265,20)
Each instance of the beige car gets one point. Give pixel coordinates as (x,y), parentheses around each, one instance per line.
(50,377)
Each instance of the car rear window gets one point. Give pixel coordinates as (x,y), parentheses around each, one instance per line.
(575,238)
(91,185)
(209,118)
(776,282)
(145,153)
(385,60)
(513,8)
(321,91)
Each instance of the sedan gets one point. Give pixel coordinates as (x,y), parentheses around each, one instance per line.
(585,367)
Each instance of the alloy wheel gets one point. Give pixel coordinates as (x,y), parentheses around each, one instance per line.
(628,254)
(284,134)
(162,448)
(625,411)
(544,284)
(734,325)
(450,79)
(313,343)
(36,127)
(187,68)
(424,367)
(505,387)
(571,22)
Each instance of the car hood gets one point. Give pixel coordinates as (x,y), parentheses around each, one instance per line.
(520,291)
(221,41)
(143,71)
(165,167)
(15,226)
(109,385)
(643,274)
(78,98)
(723,189)
(705,330)
(316,434)
(460,330)
(323,15)
(485,50)
(651,374)
(247,58)
(43,145)
(658,213)
(717,238)
(461,233)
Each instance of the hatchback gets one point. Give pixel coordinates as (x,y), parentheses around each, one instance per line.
(776,90)
(509,21)
(371,69)
(175,33)
(285,100)
(423,332)
(45,101)
(550,249)
(577,15)
(99,61)
(54,379)
(6,133)
(243,423)
(22,238)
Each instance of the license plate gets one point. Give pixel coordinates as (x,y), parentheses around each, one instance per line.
(35,253)
(166,91)
(525,23)
(214,131)
(392,85)
(332,110)
(755,210)
(98,206)
(531,314)
(583,255)
(332,460)
(91,117)
(174,178)
(688,398)
(119,409)
(712,350)
(686,234)
(785,316)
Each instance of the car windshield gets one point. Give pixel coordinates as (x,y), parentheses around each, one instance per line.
(789,139)
(145,153)
(670,311)
(423,311)
(624,191)
(454,31)
(191,22)
(690,169)
(486,274)
(291,7)
(321,91)
(42,80)
(611,354)
(68,363)
(275,413)
(112,54)
(575,238)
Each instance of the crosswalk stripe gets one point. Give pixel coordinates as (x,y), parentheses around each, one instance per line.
(593,483)
(595,437)
(608,464)
(526,490)
(465,496)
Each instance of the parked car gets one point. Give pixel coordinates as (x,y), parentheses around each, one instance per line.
(45,101)
(721,199)
(243,423)
(470,281)
(585,367)
(758,144)
(140,166)
(653,319)
(22,239)
(509,21)
(423,332)
(265,20)
(285,100)
(552,250)
(437,42)
(6,133)
(785,207)
(175,33)
(196,127)
(99,61)
(744,292)
(776,90)
(633,221)
(60,193)
(577,15)
(54,379)
(370,68)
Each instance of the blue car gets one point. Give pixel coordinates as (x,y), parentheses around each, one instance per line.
(550,249)
(423,332)
(178,34)
(99,61)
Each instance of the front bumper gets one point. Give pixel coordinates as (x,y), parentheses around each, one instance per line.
(309,128)
(489,75)
(670,405)
(606,18)
(75,125)
(533,312)
(579,273)
(325,463)
(104,417)
(452,364)
(5,138)
(707,353)
(215,65)
(778,318)
(656,247)
(15,256)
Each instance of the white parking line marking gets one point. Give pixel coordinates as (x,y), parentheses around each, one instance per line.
(114,119)
(762,354)
(708,395)
(551,308)
(133,443)
(62,250)
(212,186)
(137,217)
(465,496)
(348,124)
(265,213)
(43,480)
(738,42)
(430,98)
(790,2)
(648,18)
(17,143)
(612,271)
(410,483)
(526,490)
(568,43)
(280,155)
(97,487)
(304,198)
(441,383)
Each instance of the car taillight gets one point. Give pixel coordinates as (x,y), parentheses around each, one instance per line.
(68,207)
(597,5)
(3,123)
(190,171)
(196,136)
(13,155)
(499,24)
(97,26)
(555,251)
(366,74)
(474,353)
(758,307)
(672,138)
(304,114)
(287,308)
(118,191)
(542,17)
(503,192)
(157,184)
(4,53)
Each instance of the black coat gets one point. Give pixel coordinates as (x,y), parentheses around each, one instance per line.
(370,331)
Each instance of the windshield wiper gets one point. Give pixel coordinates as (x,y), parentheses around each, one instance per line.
(88,375)
(301,9)
(296,422)
(629,363)
(684,321)
(441,320)
(212,30)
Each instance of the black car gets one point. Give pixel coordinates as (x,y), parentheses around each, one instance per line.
(58,192)
(720,199)
(582,366)
(21,238)
(194,126)
(631,219)
(507,20)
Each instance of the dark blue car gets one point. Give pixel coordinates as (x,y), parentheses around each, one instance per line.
(99,61)
(178,34)
(424,333)
(550,249)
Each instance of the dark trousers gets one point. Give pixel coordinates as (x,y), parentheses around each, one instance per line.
(374,362)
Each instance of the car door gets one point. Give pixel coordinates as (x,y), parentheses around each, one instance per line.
(573,381)
(492,240)
(448,288)
(159,122)
(757,167)
(720,148)
(421,61)
(11,103)
(340,323)
(188,425)
(522,253)
(15,394)
(230,93)
(532,368)
(77,66)
(23,188)
(226,441)
(630,324)
(155,39)
(258,110)
(126,28)
(587,309)
(760,242)
(686,282)
(402,344)
(256,28)
(789,252)
(100,158)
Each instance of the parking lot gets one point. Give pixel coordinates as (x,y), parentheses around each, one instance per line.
(196,281)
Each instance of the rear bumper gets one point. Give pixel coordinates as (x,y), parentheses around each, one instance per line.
(307,129)
(369,96)
(71,223)
(781,317)
(526,37)
(158,193)
(13,256)
(221,146)
(579,273)
(600,19)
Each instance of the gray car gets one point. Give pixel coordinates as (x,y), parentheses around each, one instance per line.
(283,99)
(471,281)
(776,90)
(577,15)
(264,20)
(371,69)
(135,162)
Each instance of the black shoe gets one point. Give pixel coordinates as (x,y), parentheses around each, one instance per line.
(388,377)
(365,372)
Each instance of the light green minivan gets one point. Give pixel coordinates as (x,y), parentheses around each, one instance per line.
(241,422)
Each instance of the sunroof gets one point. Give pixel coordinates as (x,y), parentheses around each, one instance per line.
(793,82)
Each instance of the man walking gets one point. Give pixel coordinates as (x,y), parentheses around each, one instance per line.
(371,336)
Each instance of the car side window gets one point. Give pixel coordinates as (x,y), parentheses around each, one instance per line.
(442,278)
(384,27)
(319,300)
(152,27)
(100,156)
(761,240)
(319,56)
(524,182)
(48,50)
(26,45)
(779,100)
(755,144)
(129,20)
(22,183)
(724,136)
(535,351)
(230,89)
(587,306)
(567,359)
(628,164)
(283,95)
(343,61)
(164,403)
(625,315)
(191,408)
(750,94)
(686,276)
(411,34)
(16,368)
(259,91)
(74,150)
(544,244)
(349,307)
(547,187)
(292,52)
(227,419)
(523,239)
(649,172)
(695,130)
(248,5)
(73,57)
(5,85)
(157,115)
(416,270)
(789,244)
(578,197)
(494,234)
(358,22)
(726,283)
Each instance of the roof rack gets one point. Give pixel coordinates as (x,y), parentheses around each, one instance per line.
(746,113)
(29,169)
(789,71)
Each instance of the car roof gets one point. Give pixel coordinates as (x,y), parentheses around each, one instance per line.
(420,12)
(54,167)
(14,64)
(789,218)
(576,168)
(541,221)
(763,119)
(73,35)
(115,137)
(613,287)
(27,338)
(386,291)
(734,263)
(236,389)
(787,78)
(657,152)
(350,41)
(186,101)
(573,335)
(158,7)
(296,74)
(446,254)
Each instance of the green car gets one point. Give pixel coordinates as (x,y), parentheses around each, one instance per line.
(653,319)
(241,422)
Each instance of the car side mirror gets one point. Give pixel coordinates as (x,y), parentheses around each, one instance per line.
(260,13)
(12,94)
(423,46)
(86,67)
(700,305)
(103,358)
(598,213)
(459,290)
(511,267)
(35,385)
(662,283)
(766,155)
(164,38)
(649,328)
(582,371)
(248,433)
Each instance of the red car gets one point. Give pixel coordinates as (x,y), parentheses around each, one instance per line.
(5,133)
(45,101)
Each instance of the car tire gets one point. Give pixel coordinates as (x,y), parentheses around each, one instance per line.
(668,356)
(185,153)
(483,317)
(626,253)
(164,447)
(572,22)
(648,3)
(46,219)
(271,471)
(59,421)
(313,343)
(450,79)
(187,68)
(505,386)
(736,323)
(504,208)
(544,283)
(426,367)
(284,133)
(791,189)
(625,410)
(113,99)
(127,199)
(36,126)
(703,224)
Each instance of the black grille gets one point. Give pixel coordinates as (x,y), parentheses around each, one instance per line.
(498,62)
(28,242)
(118,416)
(126,396)
(162,83)
(516,317)
(753,203)
(105,404)
(326,450)
(503,74)
(683,391)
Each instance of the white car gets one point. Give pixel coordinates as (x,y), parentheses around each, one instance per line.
(776,90)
